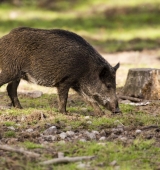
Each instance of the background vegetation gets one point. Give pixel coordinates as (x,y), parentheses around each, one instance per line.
(109,25)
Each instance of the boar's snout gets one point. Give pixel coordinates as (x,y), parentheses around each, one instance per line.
(114,109)
(117,110)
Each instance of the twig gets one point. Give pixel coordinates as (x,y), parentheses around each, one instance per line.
(66,160)
(134,99)
(149,127)
(19,150)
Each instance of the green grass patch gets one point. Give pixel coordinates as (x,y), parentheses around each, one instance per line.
(9,123)
(31,145)
(10,134)
(138,155)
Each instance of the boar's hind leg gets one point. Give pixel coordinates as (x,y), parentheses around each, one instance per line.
(12,93)
(62,96)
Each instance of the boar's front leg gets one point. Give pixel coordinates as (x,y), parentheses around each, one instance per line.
(62,97)
(12,93)
(97,110)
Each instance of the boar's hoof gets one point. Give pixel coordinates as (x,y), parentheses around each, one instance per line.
(117,111)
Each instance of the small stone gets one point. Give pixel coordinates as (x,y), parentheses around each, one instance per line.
(50,138)
(23,118)
(87,117)
(63,135)
(103,133)
(82,140)
(83,165)
(113,163)
(29,130)
(117,130)
(89,122)
(123,139)
(90,135)
(50,131)
(11,128)
(103,138)
(95,132)
(138,131)
(70,133)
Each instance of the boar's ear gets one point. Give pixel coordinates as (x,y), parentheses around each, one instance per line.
(116,66)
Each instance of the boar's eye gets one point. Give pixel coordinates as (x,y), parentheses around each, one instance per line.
(109,86)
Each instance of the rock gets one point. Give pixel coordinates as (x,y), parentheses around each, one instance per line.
(89,122)
(23,118)
(138,131)
(123,139)
(113,163)
(103,138)
(70,133)
(82,140)
(117,130)
(11,128)
(63,135)
(95,132)
(29,130)
(50,138)
(91,135)
(87,117)
(103,133)
(81,165)
(50,131)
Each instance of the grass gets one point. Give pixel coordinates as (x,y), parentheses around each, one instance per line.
(136,156)
(31,145)
(9,134)
(130,25)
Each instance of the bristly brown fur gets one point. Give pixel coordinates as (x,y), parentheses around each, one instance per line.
(56,58)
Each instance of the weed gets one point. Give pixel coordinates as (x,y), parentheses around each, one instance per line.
(9,134)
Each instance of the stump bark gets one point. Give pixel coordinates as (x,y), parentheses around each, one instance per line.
(143,83)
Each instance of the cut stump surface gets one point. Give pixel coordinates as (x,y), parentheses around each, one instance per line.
(143,83)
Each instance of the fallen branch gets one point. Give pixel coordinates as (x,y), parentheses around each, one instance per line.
(133,99)
(66,160)
(19,150)
(149,127)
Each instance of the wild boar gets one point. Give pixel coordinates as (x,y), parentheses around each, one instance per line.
(57,58)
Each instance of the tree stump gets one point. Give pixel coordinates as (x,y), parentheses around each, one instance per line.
(143,83)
